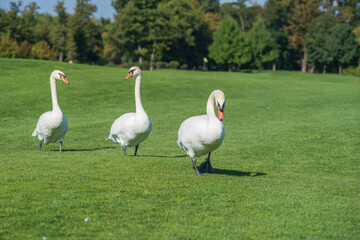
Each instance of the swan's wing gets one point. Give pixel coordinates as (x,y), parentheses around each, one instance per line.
(192,130)
(51,127)
(43,124)
(197,137)
(123,125)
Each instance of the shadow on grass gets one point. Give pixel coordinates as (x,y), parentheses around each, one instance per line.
(83,150)
(238,173)
(157,156)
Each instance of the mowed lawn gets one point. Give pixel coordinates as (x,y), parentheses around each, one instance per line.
(289,166)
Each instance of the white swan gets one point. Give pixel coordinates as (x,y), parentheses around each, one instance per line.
(203,134)
(131,129)
(52,126)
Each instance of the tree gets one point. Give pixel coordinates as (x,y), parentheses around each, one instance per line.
(318,34)
(42,50)
(190,34)
(301,13)
(8,47)
(224,49)
(10,23)
(262,48)
(28,22)
(58,35)
(342,45)
(24,49)
(84,32)
(131,26)
(245,16)
(275,18)
(119,4)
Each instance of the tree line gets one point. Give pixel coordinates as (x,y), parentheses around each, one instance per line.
(305,35)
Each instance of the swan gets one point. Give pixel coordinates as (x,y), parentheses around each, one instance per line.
(130,129)
(203,134)
(52,126)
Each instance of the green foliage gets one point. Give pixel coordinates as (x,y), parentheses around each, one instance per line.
(131,26)
(275,18)
(84,34)
(119,4)
(243,15)
(262,46)
(145,65)
(184,66)
(183,31)
(174,64)
(301,14)
(288,167)
(24,50)
(8,47)
(42,50)
(342,43)
(352,71)
(58,35)
(224,49)
(317,36)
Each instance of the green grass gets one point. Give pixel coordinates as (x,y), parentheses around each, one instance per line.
(287,169)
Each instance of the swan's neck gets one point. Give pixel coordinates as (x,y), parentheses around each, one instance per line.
(139,106)
(55,104)
(210,109)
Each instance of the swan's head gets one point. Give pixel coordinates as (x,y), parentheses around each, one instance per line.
(133,71)
(220,103)
(59,75)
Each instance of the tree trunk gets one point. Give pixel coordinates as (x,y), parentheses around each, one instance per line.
(152,57)
(324,69)
(340,69)
(312,69)
(304,62)
(61,56)
(242,23)
(229,68)
(274,67)
(61,53)
(239,66)
(140,57)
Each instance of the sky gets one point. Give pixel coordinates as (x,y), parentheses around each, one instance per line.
(104,8)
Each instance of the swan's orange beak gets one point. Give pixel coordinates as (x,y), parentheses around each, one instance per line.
(220,114)
(62,77)
(129,75)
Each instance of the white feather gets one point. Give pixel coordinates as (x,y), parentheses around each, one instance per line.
(53,125)
(203,134)
(131,129)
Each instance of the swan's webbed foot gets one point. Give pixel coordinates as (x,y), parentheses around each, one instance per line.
(136,149)
(60,147)
(40,146)
(206,167)
(124,148)
(194,163)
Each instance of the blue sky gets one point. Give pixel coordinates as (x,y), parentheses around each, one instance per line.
(104,8)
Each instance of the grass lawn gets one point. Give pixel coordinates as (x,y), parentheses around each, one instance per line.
(288,167)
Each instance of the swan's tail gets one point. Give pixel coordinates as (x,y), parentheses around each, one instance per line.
(34,133)
(110,138)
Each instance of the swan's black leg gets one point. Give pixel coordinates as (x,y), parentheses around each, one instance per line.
(60,147)
(136,148)
(194,163)
(206,167)
(124,148)
(40,146)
